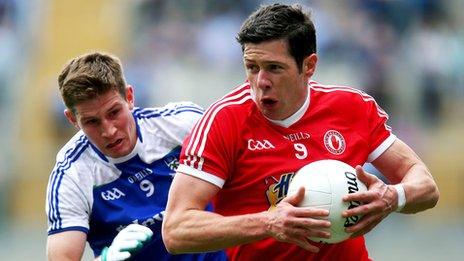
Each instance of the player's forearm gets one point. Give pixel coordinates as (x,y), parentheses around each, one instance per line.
(201,231)
(420,189)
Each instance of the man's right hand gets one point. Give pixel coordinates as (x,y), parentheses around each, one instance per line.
(127,241)
(295,225)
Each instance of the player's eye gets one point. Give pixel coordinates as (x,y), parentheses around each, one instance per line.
(252,68)
(114,113)
(91,122)
(275,67)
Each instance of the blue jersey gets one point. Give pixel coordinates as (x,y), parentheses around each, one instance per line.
(98,195)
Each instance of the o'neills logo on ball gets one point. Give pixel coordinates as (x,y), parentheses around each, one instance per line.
(334,142)
(352,188)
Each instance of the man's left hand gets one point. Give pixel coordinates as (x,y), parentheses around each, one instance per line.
(377,203)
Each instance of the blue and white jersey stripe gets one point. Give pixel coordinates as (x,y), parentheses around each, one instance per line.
(78,144)
(173,110)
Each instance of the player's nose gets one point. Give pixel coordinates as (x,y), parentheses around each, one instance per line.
(108,129)
(262,80)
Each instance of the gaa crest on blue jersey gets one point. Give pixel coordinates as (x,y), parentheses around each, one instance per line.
(277,189)
(334,142)
(172,162)
(112,194)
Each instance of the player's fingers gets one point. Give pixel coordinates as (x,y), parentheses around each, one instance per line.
(362,196)
(299,240)
(120,256)
(360,210)
(304,243)
(305,232)
(135,236)
(365,177)
(373,195)
(310,212)
(129,245)
(365,222)
(360,225)
(296,198)
(139,228)
(372,203)
(312,223)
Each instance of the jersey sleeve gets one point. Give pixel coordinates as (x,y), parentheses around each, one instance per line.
(67,207)
(185,115)
(172,122)
(380,136)
(208,150)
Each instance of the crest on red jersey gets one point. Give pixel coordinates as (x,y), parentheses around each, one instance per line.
(334,142)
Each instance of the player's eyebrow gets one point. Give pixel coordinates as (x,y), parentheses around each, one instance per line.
(266,62)
(88,117)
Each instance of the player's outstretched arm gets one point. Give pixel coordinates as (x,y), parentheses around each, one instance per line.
(127,241)
(66,246)
(188,228)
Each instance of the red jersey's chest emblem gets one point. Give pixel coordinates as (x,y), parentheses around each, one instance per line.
(334,142)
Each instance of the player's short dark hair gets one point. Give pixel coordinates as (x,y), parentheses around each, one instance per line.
(277,21)
(90,75)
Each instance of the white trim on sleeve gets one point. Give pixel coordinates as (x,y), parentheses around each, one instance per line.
(381,148)
(201,175)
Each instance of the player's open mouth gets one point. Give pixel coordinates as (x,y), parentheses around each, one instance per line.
(267,102)
(114,144)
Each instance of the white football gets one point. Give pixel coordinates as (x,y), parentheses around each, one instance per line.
(326,182)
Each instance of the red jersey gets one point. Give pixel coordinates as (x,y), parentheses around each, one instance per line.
(253,159)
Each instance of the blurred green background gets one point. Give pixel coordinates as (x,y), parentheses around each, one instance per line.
(409,55)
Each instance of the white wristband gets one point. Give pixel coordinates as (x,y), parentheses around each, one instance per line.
(401,197)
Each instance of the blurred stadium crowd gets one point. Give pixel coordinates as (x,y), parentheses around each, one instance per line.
(409,55)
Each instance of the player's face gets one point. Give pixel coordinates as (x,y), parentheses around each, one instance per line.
(108,122)
(279,87)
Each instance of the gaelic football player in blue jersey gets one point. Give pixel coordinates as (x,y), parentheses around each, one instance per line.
(110,183)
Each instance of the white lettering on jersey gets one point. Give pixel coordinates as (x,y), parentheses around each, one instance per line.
(112,194)
(259,145)
(140,175)
(297,136)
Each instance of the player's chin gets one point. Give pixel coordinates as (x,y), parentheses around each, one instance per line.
(271,112)
(119,150)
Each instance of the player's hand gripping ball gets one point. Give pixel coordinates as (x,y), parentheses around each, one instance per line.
(326,182)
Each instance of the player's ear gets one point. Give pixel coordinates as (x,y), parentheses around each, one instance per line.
(130,96)
(309,64)
(71,117)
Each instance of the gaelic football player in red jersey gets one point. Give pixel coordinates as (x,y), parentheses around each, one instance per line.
(246,148)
